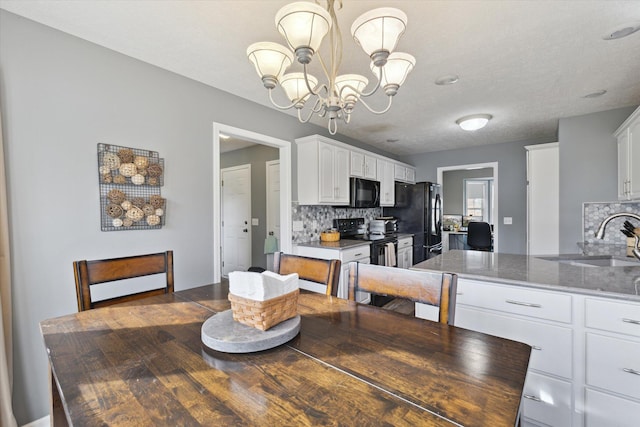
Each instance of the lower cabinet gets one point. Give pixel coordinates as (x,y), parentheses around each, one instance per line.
(360,253)
(405,252)
(585,360)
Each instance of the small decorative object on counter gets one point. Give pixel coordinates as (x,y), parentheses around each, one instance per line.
(130,181)
(330,236)
(262,300)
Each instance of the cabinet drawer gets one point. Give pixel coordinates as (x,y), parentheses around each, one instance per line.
(547,400)
(355,254)
(613,364)
(552,345)
(405,243)
(527,302)
(623,318)
(602,409)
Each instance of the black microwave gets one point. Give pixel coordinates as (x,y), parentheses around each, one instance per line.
(364,193)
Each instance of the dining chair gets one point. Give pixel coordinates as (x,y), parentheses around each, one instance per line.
(479,236)
(90,273)
(323,271)
(432,288)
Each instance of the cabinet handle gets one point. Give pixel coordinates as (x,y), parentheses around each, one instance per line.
(532,397)
(526,304)
(358,254)
(631,371)
(535,347)
(635,322)
(459,293)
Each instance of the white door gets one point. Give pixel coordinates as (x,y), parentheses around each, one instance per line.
(236,217)
(273,203)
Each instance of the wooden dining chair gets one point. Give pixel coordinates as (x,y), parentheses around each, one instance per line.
(323,271)
(89,273)
(432,288)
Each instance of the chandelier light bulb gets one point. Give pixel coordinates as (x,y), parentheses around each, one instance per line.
(296,88)
(396,70)
(474,121)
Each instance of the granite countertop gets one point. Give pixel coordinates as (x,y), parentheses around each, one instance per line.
(344,243)
(339,245)
(530,271)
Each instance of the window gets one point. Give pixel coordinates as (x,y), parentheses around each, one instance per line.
(478,199)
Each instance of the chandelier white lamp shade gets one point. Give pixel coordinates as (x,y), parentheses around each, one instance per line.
(304,25)
(474,121)
(271,61)
(378,32)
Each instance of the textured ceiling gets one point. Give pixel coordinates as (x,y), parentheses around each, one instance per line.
(528,63)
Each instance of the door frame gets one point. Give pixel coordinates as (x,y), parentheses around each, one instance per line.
(496,215)
(285,187)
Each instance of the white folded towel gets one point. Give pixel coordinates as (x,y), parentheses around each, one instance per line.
(391,255)
(261,286)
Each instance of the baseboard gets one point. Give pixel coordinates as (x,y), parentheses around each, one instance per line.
(42,422)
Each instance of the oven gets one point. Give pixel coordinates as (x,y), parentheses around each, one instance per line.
(384,251)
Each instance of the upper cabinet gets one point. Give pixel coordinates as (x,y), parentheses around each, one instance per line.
(387,185)
(363,165)
(323,172)
(404,173)
(628,136)
(325,165)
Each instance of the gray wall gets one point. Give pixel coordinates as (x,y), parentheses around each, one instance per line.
(512,194)
(588,168)
(256,156)
(60,97)
(453,188)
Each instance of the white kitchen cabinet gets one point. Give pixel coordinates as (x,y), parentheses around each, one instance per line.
(404,173)
(585,360)
(323,172)
(360,253)
(612,359)
(628,139)
(405,252)
(538,318)
(363,165)
(387,184)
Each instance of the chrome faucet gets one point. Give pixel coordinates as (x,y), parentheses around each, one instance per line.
(603,225)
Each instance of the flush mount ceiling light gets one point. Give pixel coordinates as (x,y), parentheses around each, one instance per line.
(304,25)
(621,31)
(474,121)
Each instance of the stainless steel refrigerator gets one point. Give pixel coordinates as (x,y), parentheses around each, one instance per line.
(419,212)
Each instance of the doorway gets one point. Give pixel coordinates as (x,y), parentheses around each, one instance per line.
(473,169)
(284,148)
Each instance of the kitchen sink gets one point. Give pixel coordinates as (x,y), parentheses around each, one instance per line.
(594,261)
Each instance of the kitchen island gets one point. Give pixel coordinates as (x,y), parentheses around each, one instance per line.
(582,321)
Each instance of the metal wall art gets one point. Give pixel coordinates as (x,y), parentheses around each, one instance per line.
(130,180)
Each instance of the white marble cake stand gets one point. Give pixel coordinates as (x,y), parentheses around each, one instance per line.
(220,332)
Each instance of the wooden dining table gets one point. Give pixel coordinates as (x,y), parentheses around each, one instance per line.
(143,363)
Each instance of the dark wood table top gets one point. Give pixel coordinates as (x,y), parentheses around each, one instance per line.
(143,364)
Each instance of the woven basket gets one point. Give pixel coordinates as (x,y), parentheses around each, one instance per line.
(329,236)
(264,314)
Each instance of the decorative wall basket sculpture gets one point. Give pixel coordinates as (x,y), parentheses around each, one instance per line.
(130,181)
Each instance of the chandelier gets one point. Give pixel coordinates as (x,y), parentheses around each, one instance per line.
(304,25)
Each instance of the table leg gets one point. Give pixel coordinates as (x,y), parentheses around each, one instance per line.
(56,409)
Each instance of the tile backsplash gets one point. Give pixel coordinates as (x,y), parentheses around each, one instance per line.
(594,213)
(316,219)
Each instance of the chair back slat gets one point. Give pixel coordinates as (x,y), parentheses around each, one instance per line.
(432,288)
(323,271)
(89,273)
